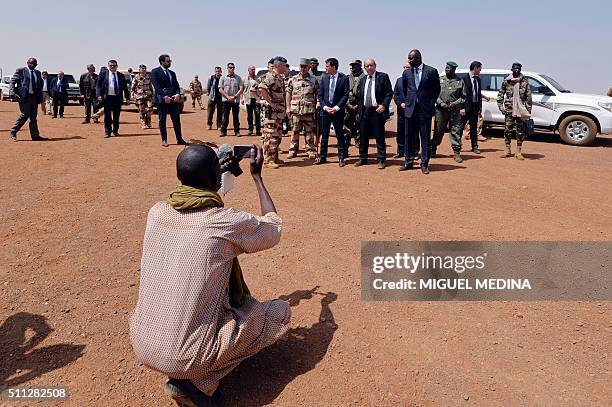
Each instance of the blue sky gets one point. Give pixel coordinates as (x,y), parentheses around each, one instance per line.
(570,41)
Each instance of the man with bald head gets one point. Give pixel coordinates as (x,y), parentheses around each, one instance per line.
(249,100)
(59,94)
(374,97)
(195,319)
(421,85)
(28,85)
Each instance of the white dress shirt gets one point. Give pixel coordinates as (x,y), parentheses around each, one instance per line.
(111,84)
(474,97)
(45,88)
(331,93)
(418,73)
(372,92)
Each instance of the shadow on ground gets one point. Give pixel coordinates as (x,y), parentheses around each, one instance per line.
(22,361)
(258,381)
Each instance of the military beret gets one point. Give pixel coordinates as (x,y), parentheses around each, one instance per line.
(280,59)
(304,61)
(314,60)
(356,62)
(452,63)
(517,64)
(271,61)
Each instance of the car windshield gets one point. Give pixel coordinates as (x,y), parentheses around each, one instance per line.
(70,78)
(556,84)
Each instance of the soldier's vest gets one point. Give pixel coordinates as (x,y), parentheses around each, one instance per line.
(141,87)
(303,95)
(451,90)
(275,85)
(354,87)
(196,87)
(509,91)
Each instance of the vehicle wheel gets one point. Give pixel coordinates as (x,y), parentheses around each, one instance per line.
(578,130)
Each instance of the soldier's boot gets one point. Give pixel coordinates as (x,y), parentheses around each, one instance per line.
(278,160)
(518,154)
(292,154)
(457,157)
(269,163)
(312,155)
(508,152)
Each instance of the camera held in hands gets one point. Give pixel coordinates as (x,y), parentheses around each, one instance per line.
(230,157)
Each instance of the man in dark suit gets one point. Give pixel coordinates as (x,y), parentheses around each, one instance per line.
(333,96)
(59,94)
(87,87)
(374,96)
(473,103)
(27,84)
(421,85)
(167,97)
(111,89)
(398,97)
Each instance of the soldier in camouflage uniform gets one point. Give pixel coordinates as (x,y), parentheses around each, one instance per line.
(286,121)
(260,100)
(515,118)
(272,90)
(450,101)
(318,75)
(351,126)
(301,101)
(142,94)
(195,86)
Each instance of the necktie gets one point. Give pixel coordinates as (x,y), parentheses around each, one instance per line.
(332,89)
(368,99)
(115,83)
(32,81)
(417,79)
(476,90)
(167,75)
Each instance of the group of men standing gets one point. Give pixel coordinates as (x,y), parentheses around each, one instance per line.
(356,105)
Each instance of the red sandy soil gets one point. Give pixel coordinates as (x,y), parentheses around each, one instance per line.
(73,213)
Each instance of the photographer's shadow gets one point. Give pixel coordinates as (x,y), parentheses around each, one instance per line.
(259,380)
(18,353)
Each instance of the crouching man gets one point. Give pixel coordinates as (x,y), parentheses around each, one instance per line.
(195,319)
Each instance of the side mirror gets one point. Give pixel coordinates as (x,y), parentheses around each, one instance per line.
(545,90)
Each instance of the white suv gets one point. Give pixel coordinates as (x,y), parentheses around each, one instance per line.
(577,117)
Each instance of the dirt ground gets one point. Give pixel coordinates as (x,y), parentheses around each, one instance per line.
(72,217)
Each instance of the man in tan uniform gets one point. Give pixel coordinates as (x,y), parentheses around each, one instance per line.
(301,104)
(272,90)
(142,94)
(195,86)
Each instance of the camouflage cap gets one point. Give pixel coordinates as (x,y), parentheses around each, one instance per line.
(452,63)
(304,61)
(356,62)
(314,60)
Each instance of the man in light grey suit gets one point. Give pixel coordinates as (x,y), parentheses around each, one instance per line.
(27,84)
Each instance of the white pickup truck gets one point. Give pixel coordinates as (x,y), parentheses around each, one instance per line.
(5,88)
(577,117)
